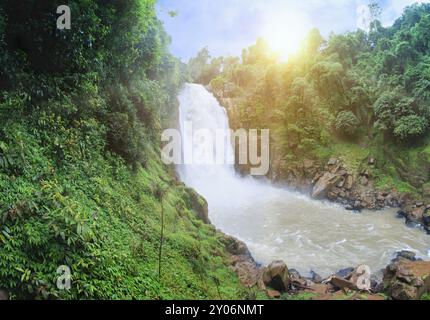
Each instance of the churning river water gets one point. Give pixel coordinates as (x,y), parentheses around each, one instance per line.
(278,224)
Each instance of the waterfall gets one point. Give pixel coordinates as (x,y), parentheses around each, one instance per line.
(276,223)
(218,183)
(201,109)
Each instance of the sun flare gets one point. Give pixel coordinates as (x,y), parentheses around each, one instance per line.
(285,32)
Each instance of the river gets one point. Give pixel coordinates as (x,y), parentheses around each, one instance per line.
(278,224)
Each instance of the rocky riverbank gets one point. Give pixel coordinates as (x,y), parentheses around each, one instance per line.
(405,278)
(354,190)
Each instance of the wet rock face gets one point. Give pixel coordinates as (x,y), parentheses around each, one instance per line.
(247,270)
(405,279)
(408,255)
(277,276)
(325,183)
(235,246)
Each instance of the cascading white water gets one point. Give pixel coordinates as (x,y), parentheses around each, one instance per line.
(279,224)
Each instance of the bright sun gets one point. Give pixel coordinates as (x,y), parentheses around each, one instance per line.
(284,33)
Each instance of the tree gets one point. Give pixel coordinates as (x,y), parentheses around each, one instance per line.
(197,64)
(159,191)
(313,42)
(346,123)
(410,127)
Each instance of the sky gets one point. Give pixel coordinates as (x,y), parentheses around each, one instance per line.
(228,26)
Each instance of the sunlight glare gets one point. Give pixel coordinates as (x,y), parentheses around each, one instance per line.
(285,32)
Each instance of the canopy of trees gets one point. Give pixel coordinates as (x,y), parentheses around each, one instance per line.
(346,86)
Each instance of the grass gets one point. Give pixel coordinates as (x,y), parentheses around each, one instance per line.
(388,182)
(298,297)
(426,152)
(352,155)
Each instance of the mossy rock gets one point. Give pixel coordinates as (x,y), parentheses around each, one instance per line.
(198,204)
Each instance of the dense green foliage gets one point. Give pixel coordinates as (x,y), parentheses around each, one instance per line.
(80,116)
(203,68)
(370,89)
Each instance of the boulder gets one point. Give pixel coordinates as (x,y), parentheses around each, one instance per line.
(273,294)
(426,217)
(316,177)
(341,183)
(332,162)
(319,289)
(324,184)
(349,207)
(364,181)
(405,254)
(344,273)
(360,282)
(343,284)
(337,169)
(417,214)
(380,198)
(247,271)
(350,278)
(407,280)
(276,276)
(376,281)
(368,201)
(235,246)
(297,282)
(316,277)
(391,200)
(349,182)
(401,214)
(358,205)
(401,291)
(199,205)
